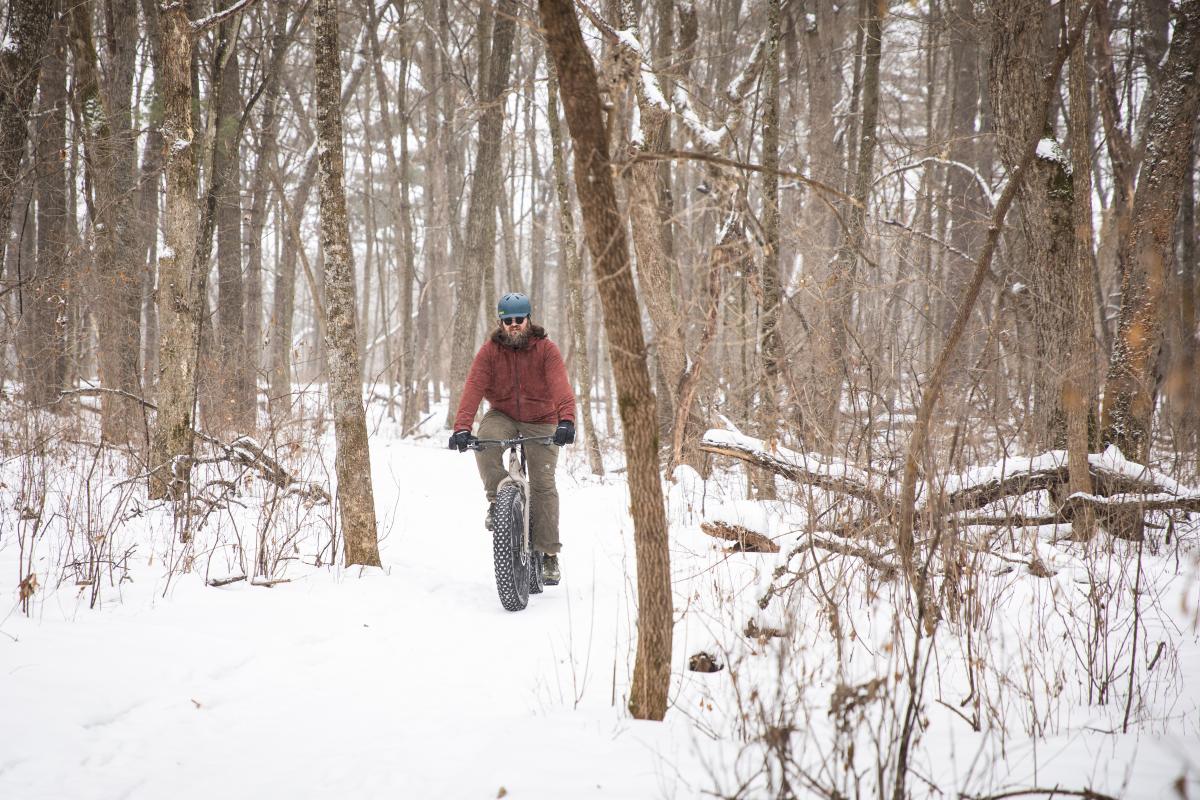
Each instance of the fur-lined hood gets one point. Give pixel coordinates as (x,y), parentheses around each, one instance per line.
(535,332)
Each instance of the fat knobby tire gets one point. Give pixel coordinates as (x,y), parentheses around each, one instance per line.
(508,521)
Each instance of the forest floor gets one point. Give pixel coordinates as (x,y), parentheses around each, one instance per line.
(124,673)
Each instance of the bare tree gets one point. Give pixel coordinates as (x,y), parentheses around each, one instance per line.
(28,26)
(849,251)
(768,321)
(478,260)
(569,250)
(622,317)
(1077,385)
(1130,389)
(1022,44)
(181,285)
(44,328)
(105,102)
(233,382)
(356,501)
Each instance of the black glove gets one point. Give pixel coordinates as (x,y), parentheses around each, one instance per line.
(461,440)
(565,433)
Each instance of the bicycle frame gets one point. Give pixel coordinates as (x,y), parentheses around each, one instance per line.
(516,471)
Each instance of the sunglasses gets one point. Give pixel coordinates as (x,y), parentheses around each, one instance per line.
(512,320)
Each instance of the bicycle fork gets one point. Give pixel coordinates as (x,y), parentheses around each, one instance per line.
(516,475)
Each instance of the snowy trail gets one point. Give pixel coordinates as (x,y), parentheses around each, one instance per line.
(412,679)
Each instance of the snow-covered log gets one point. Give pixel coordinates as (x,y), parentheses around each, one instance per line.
(831,474)
(1112,474)
(748,541)
(1121,487)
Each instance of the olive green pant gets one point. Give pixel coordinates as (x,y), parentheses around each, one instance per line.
(540,460)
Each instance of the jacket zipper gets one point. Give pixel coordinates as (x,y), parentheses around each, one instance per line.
(517,381)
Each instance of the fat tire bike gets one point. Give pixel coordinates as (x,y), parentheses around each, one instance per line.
(518,564)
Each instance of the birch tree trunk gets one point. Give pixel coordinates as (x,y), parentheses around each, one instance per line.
(356,502)
(622,317)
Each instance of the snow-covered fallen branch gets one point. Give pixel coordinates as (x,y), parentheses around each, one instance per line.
(1123,489)
(748,541)
(246,451)
(825,474)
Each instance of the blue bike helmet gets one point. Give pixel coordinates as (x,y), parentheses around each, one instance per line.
(513,304)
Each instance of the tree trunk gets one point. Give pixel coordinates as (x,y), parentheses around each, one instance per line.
(480,257)
(234,384)
(842,292)
(149,192)
(265,162)
(569,252)
(353,461)
(610,260)
(46,297)
(284,302)
(768,317)
(646,222)
(1022,45)
(180,279)
(1130,389)
(967,208)
(1188,378)
(110,145)
(1077,389)
(20,61)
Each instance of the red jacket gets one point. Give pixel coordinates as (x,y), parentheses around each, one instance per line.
(528,385)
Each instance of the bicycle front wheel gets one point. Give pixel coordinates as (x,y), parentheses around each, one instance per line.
(513,561)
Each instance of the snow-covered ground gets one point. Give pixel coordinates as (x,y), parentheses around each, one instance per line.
(130,676)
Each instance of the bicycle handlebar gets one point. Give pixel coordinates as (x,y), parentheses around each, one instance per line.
(484,444)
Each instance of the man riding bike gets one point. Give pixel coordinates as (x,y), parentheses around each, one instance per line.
(521,374)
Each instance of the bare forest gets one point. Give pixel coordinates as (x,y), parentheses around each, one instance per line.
(881,319)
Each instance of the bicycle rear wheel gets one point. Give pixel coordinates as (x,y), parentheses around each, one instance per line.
(536,579)
(513,562)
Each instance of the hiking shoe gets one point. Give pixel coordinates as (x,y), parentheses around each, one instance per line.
(550,572)
(487,520)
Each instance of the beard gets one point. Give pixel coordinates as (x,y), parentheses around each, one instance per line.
(515,338)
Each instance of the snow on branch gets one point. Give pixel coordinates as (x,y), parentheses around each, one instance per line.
(1111,474)
(946,162)
(706,138)
(735,92)
(1121,486)
(831,474)
(212,20)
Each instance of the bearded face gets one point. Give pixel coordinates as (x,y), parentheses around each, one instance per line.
(515,336)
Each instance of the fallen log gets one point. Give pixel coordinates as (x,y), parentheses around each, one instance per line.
(834,476)
(748,541)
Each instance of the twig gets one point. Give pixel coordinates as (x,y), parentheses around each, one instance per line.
(1087,794)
